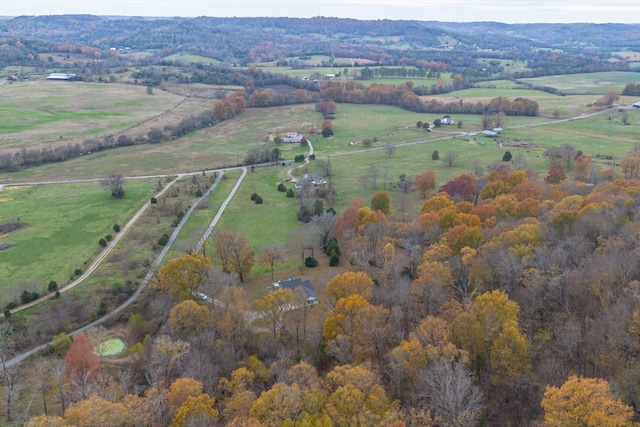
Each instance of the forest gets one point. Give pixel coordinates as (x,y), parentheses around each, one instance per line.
(504,297)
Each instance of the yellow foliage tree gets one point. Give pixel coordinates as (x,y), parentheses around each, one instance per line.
(350,283)
(96,411)
(197,410)
(188,318)
(584,402)
(184,276)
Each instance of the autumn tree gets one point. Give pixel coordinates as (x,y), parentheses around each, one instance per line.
(490,331)
(586,402)
(199,410)
(82,368)
(349,283)
(183,277)
(188,318)
(425,182)
(555,175)
(96,411)
(381,202)
(234,253)
(274,306)
(9,375)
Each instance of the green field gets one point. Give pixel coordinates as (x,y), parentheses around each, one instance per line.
(592,83)
(61,228)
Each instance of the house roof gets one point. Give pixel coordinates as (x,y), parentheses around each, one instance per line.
(61,76)
(489,133)
(292,284)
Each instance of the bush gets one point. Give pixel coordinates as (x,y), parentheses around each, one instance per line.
(507,156)
(77,272)
(27,297)
(290,193)
(327,132)
(116,228)
(53,286)
(163,240)
(299,158)
(154,200)
(198,193)
(102,243)
(253,196)
(304,214)
(108,237)
(11,305)
(7,313)
(332,247)
(334,261)
(312,156)
(258,200)
(435,155)
(310,262)
(282,188)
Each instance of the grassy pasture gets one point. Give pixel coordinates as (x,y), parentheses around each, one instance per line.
(590,83)
(194,59)
(45,113)
(62,226)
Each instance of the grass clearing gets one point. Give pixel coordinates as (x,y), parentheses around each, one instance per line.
(62,226)
(111,347)
(587,83)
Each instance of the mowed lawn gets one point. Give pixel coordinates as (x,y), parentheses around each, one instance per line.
(62,225)
(49,113)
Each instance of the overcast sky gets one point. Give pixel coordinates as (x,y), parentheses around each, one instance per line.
(509,11)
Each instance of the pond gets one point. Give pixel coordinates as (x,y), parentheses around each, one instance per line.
(111,347)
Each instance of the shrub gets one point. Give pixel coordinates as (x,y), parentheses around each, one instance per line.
(290,193)
(77,272)
(310,262)
(299,158)
(116,228)
(435,155)
(198,193)
(27,297)
(154,200)
(102,242)
(507,156)
(53,286)
(312,156)
(253,196)
(334,261)
(258,200)
(332,247)
(163,240)
(282,188)
(108,237)
(327,132)
(11,305)
(7,313)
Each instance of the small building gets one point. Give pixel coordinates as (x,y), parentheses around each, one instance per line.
(63,76)
(489,133)
(293,284)
(293,137)
(636,105)
(314,178)
(497,130)
(12,78)
(447,120)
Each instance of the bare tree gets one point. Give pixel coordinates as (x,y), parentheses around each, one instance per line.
(450,158)
(389,149)
(451,393)
(324,226)
(372,174)
(325,166)
(9,375)
(271,254)
(114,183)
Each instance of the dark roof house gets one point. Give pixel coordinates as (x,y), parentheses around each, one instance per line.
(293,284)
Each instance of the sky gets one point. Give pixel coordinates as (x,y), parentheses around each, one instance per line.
(507,11)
